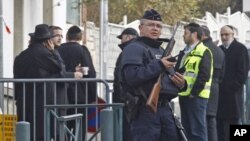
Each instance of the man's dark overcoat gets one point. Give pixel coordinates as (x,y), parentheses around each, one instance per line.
(218,73)
(74,54)
(231,88)
(37,62)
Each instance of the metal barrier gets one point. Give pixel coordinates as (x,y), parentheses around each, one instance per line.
(110,119)
(63,126)
(31,88)
(246,103)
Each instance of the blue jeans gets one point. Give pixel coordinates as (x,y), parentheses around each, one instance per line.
(149,126)
(193,117)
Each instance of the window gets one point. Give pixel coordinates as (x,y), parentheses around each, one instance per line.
(73,12)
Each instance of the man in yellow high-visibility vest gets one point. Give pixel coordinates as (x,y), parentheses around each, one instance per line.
(197,61)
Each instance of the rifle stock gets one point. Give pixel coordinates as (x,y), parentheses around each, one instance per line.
(152,100)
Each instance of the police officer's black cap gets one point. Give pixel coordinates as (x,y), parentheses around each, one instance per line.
(129,31)
(152,15)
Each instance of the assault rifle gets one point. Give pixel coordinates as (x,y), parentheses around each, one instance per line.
(152,101)
(180,128)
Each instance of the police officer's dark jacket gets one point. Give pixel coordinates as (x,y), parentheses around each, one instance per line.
(117,94)
(141,64)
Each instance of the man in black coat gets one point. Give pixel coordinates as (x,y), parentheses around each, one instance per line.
(37,61)
(231,88)
(75,55)
(218,72)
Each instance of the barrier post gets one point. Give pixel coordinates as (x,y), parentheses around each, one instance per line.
(118,124)
(22,131)
(107,124)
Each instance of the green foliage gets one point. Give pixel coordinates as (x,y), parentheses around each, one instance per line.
(171,10)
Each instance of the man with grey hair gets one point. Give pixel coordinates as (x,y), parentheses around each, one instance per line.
(231,88)
(218,71)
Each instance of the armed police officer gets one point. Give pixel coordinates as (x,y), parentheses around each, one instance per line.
(141,65)
(127,36)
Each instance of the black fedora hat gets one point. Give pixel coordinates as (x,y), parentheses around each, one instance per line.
(41,32)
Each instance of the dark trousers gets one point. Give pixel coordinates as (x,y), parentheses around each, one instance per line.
(193,117)
(126,130)
(223,127)
(150,126)
(126,136)
(211,128)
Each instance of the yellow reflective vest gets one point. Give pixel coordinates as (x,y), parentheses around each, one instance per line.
(192,63)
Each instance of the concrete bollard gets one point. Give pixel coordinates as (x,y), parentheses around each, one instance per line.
(22,131)
(107,125)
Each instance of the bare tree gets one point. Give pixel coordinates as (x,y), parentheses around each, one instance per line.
(219,6)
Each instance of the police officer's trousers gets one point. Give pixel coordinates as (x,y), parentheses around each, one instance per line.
(150,126)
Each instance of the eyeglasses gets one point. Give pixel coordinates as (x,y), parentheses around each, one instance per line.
(225,34)
(58,35)
(152,25)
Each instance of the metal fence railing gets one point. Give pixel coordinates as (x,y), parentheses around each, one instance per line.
(45,104)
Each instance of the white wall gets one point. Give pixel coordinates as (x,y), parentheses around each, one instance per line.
(59,15)
(246,5)
(8,14)
(32,15)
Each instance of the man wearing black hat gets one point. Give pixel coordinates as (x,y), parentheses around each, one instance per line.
(140,67)
(31,63)
(127,36)
(75,55)
(37,61)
